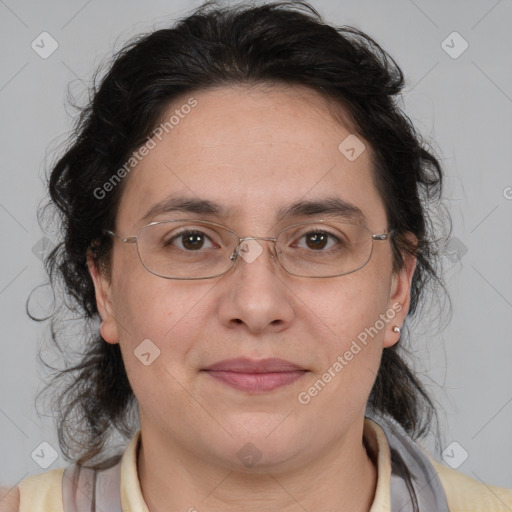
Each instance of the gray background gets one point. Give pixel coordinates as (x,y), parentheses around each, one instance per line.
(463,103)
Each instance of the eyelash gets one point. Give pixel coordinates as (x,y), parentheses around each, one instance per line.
(201,233)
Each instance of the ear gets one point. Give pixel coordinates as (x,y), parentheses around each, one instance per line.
(400,295)
(103,291)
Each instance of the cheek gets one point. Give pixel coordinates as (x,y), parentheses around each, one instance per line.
(355,309)
(159,322)
(356,301)
(148,306)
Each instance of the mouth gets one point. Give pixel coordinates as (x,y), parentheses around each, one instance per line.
(256,376)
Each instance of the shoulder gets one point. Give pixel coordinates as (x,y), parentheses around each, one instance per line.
(41,493)
(464,493)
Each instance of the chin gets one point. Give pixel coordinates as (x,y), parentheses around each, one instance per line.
(264,450)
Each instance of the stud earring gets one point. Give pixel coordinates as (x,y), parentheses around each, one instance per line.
(396,329)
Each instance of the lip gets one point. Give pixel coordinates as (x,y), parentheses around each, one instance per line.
(256,376)
(245,365)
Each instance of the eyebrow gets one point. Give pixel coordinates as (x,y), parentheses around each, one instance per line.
(334,206)
(331,205)
(185,204)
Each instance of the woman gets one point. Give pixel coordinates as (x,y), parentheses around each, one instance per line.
(245,212)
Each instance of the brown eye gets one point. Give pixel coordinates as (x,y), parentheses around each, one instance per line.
(316,240)
(188,240)
(193,241)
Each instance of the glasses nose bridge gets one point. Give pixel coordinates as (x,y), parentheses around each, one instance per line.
(264,238)
(241,240)
(268,238)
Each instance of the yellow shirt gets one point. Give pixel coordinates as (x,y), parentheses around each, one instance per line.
(43,493)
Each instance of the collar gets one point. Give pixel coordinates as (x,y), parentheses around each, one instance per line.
(374,438)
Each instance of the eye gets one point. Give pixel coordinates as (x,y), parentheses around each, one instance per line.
(318,240)
(189,240)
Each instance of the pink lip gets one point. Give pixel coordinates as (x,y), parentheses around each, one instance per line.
(256,376)
(245,365)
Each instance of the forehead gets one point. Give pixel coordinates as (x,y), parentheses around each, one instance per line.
(254,152)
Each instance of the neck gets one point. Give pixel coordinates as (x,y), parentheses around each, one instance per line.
(344,477)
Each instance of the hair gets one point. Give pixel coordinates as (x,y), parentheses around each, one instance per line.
(282,43)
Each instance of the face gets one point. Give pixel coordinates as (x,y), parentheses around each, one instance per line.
(252,152)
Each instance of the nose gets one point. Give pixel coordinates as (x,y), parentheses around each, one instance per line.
(254,296)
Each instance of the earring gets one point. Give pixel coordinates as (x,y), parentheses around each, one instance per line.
(396,329)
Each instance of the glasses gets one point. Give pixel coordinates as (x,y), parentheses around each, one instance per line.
(198,249)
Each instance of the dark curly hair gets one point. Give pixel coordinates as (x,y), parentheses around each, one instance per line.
(284,43)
